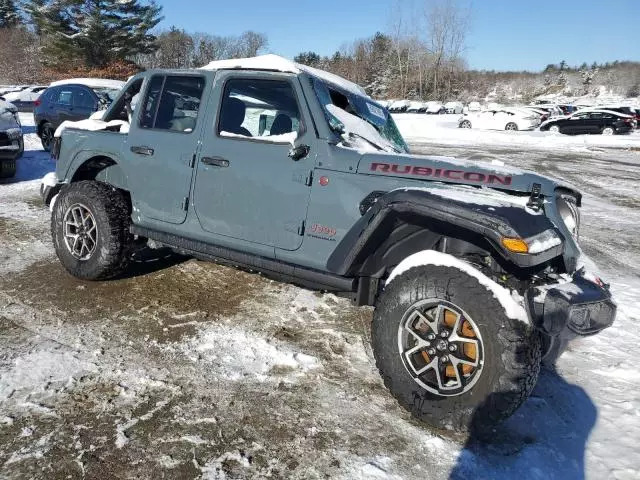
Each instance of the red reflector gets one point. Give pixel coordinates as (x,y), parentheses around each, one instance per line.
(324,181)
(37,103)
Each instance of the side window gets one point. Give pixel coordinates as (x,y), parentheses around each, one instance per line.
(172,103)
(63,96)
(259,109)
(595,115)
(83,99)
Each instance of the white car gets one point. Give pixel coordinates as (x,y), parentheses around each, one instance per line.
(416,107)
(454,107)
(435,107)
(25,99)
(474,107)
(399,106)
(504,119)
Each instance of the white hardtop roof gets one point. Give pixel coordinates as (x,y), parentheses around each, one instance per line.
(276,63)
(91,82)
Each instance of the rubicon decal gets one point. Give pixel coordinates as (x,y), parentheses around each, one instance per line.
(477,177)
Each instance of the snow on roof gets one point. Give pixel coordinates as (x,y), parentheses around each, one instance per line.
(91,82)
(279,64)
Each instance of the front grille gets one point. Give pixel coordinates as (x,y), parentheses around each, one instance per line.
(5,141)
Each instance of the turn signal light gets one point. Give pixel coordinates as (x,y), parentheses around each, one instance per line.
(515,245)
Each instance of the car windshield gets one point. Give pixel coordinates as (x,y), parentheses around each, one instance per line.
(357,116)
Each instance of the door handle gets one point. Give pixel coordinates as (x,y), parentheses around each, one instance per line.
(142,151)
(215,161)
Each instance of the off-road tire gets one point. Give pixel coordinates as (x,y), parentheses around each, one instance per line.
(512,351)
(112,218)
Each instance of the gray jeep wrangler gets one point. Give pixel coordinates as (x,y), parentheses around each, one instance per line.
(474,270)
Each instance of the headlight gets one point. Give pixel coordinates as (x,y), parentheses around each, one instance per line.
(570,214)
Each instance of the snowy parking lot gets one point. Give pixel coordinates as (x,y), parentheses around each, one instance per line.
(185,369)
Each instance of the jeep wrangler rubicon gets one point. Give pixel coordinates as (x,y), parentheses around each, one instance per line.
(474,270)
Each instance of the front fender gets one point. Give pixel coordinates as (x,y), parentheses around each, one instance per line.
(459,212)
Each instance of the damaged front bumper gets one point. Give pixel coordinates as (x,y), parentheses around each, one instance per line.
(582,306)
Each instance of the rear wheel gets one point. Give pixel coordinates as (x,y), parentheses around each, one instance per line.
(449,353)
(465,124)
(46,136)
(511,126)
(608,131)
(90,230)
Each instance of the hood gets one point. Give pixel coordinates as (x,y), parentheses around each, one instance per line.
(7,107)
(451,170)
(8,117)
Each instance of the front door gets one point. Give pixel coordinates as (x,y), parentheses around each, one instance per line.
(161,145)
(247,187)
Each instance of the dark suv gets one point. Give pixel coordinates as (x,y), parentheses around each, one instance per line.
(71,102)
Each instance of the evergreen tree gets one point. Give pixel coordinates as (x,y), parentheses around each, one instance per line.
(95,32)
(9,15)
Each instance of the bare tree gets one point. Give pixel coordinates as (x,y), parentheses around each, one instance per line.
(19,56)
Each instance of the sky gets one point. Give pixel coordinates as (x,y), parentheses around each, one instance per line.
(504,34)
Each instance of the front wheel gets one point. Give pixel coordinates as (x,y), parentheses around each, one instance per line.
(608,131)
(511,126)
(448,351)
(465,124)
(554,129)
(90,230)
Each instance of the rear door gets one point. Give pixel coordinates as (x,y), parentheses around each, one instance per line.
(161,145)
(247,187)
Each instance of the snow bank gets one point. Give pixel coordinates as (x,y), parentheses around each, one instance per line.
(512,307)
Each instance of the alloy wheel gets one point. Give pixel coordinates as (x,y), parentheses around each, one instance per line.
(80,231)
(441,347)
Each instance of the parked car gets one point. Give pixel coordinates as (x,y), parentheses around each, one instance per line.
(11,140)
(399,106)
(632,112)
(474,107)
(337,203)
(454,107)
(603,122)
(417,107)
(435,108)
(504,119)
(71,100)
(24,100)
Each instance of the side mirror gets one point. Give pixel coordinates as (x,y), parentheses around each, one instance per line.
(299,152)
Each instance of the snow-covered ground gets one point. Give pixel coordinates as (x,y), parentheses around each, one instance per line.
(186,369)
(443,130)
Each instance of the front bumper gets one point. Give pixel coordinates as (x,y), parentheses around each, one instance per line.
(581,307)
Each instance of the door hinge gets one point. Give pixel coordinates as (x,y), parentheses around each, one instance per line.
(309,180)
(301,229)
(192,163)
(185,203)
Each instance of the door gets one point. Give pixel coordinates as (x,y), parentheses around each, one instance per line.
(247,187)
(161,145)
(577,124)
(83,103)
(59,109)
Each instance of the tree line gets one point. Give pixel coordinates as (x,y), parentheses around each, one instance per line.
(420,55)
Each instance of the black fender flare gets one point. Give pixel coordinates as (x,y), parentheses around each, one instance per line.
(438,216)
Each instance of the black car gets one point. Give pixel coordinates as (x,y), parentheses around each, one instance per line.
(71,102)
(632,112)
(603,122)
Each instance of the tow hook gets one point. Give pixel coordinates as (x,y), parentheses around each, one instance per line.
(536,201)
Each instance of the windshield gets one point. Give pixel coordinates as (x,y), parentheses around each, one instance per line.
(359,116)
(106,93)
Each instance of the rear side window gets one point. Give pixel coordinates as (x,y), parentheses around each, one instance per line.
(172,103)
(63,96)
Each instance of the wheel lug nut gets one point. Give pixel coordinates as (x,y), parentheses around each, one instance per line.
(431,336)
(444,358)
(452,348)
(431,352)
(444,334)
